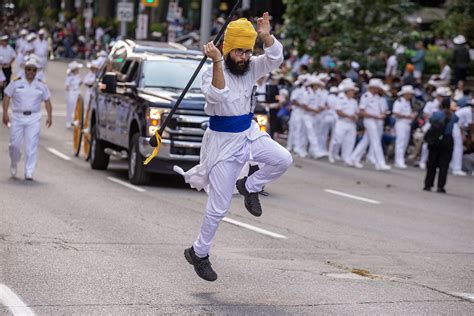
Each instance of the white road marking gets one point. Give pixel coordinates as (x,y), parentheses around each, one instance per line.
(126,184)
(254,228)
(13,302)
(58,153)
(355,197)
(469,296)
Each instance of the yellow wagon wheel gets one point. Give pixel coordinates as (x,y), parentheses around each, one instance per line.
(86,134)
(78,125)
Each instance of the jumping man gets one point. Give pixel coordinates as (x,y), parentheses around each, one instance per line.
(233,137)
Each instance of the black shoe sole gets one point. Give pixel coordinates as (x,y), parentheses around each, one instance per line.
(187,255)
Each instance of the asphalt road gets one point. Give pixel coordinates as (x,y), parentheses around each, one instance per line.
(78,241)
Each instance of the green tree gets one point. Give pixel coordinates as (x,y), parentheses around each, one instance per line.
(459,20)
(347,29)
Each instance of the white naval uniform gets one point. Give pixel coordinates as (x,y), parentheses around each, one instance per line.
(328,121)
(89,80)
(41,50)
(73,83)
(380,128)
(297,138)
(224,154)
(402,129)
(429,108)
(19,44)
(7,55)
(371,104)
(26,128)
(465,118)
(345,132)
(312,121)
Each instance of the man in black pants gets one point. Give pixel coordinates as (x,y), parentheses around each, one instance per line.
(440,154)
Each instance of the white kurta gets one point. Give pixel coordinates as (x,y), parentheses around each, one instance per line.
(223,155)
(233,100)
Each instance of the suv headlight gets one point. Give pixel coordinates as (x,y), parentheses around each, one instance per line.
(154,120)
(262,120)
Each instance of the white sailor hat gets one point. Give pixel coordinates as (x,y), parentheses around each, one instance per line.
(386,89)
(3,37)
(93,64)
(459,40)
(355,65)
(23,32)
(348,85)
(333,89)
(74,65)
(32,62)
(376,83)
(323,76)
(443,91)
(313,80)
(31,36)
(405,90)
(42,32)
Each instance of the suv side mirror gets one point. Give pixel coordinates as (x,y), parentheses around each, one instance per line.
(109,81)
(271,91)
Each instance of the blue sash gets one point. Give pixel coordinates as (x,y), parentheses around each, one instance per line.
(230,124)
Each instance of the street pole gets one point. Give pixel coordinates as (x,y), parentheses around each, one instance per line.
(206,10)
(123,26)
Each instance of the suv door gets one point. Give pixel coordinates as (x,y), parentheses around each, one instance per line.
(125,101)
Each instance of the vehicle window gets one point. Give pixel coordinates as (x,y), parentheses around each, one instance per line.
(171,74)
(132,71)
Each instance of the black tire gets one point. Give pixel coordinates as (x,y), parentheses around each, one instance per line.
(99,160)
(136,170)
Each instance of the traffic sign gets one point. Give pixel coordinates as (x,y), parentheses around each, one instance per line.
(150,3)
(125,12)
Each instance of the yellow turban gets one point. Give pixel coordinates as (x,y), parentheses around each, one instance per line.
(239,34)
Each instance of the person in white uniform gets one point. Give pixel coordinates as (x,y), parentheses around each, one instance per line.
(314,102)
(19,46)
(89,80)
(26,95)
(7,57)
(429,108)
(404,115)
(328,124)
(42,48)
(73,84)
(345,132)
(371,109)
(465,119)
(297,138)
(233,137)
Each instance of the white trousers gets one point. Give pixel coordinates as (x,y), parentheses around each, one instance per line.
(312,126)
(402,137)
(328,125)
(275,159)
(71,99)
(370,155)
(343,139)
(24,129)
(458,149)
(297,136)
(372,137)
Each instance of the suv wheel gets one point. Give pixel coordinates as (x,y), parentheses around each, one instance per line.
(136,169)
(99,160)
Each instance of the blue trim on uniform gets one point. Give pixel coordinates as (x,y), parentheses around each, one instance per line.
(230,124)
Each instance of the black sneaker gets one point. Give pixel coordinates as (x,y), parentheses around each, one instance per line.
(441,190)
(427,189)
(202,266)
(252,203)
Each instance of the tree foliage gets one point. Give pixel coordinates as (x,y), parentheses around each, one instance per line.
(347,29)
(459,20)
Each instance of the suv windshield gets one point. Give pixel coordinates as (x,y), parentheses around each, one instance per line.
(170,74)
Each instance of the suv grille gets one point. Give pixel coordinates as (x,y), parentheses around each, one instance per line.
(185,130)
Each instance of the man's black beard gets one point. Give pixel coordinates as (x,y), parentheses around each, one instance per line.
(237,69)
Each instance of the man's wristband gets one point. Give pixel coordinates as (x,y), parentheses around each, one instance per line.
(218,60)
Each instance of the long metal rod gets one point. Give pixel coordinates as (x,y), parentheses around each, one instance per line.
(153,141)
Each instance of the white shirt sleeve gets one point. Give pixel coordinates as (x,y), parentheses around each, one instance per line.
(213,95)
(10,89)
(271,60)
(397,107)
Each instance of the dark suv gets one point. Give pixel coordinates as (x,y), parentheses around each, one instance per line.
(134,92)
